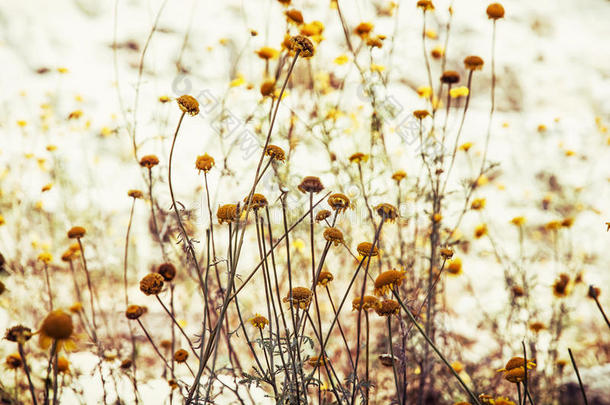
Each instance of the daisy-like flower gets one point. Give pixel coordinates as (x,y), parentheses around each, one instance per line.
(387,212)
(181,355)
(275,152)
(259,321)
(514,370)
(58,327)
(334,236)
(325,277)
(301,297)
(338,202)
(227,213)
(367,249)
(204,163)
(368,302)
(188,104)
(388,308)
(387,280)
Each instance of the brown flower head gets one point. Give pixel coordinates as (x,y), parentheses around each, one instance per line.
(399,175)
(446,253)
(259,321)
(560,287)
(258,201)
(275,152)
(387,212)
(388,308)
(450,77)
(315,361)
(134,311)
(517,291)
(387,359)
(322,215)
(13,361)
(268,88)
(311,184)
(227,213)
(151,284)
(363,29)
(204,163)
(338,202)
(333,235)
(387,280)
(58,327)
(188,104)
(368,302)
(425,5)
(181,355)
(537,326)
(594,292)
(167,271)
(126,364)
(358,158)
(135,194)
(495,11)
(421,114)
(149,161)
(18,334)
(518,362)
(473,62)
(301,297)
(367,249)
(294,16)
(303,45)
(325,277)
(63,365)
(76,232)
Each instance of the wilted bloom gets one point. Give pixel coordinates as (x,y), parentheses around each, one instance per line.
(13,361)
(57,326)
(151,284)
(134,311)
(311,184)
(517,291)
(387,280)
(188,104)
(450,77)
(135,194)
(446,253)
(204,163)
(181,355)
(536,326)
(275,152)
(399,175)
(387,212)
(368,302)
(560,287)
(18,334)
(149,161)
(259,321)
(227,213)
(76,232)
(425,5)
(322,215)
(387,359)
(495,11)
(420,114)
(473,62)
(387,308)
(338,202)
(325,277)
(333,235)
(258,201)
(594,292)
(167,271)
(367,249)
(267,88)
(514,370)
(303,45)
(301,297)
(363,29)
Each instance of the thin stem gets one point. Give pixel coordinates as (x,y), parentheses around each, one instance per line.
(26,368)
(582,387)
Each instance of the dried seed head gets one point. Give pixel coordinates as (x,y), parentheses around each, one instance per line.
(275,152)
(388,308)
(367,249)
(13,361)
(495,11)
(450,77)
(594,292)
(259,321)
(454,267)
(301,297)
(387,212)
(322,215)
(188,104)
(18,334)
(368,302)
(517,291)
(167,271)
(204,163)
(560,287)
(181,356)
(311,184)
(268,88)
(333,235)
(294,16)
(473,62)
(446,253)
(338,202)
(363,29)
(258,201)
(76,232)
(227,213)
(151,284)
(325,277)
(358,158)
(387,280)
(303,45)
(149,161)
(421,114)
(135,311)
(57,325)
(425,5)
(399,175)
(135,194)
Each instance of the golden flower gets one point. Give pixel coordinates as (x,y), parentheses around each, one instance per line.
(425,5)
(63,365)
(164,99)
(301,297)
(227,213)
(368,302)
(275,152)
(311,184)
(18,334)
(13,361)
(560,287)
(536,326)
(268,88)
(204,163)
(486,399)
(367,249)
(45,257)
(259,321)
(387,212)
(358,158)
(478,204)
(181,355)
(515,375)
(258,201)
(315,361)
(454,266)
(446,253)
(167,271)
(325,277)
(338,202)
(294,16)
(135,311)
(387,280)
(303,45)
(450,77)
(517,291)
(437,52)
(518,221)
(74,115)
(518,362)
(552,225)
(457,366)
(594,292)
(473,62)
(421,114)
(567,222)
(480,231)
(399,175)
(333,235)
(57,326)
(466,146)
(76,307)
(363,29)
(322,215)
(76,232)
(375,42)
(387,308)
(188,104)
(267,53)
(495,11)
(312,29)
(151,284)
(135,194)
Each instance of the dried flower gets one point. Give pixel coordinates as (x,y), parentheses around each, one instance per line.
(473,62)
(518,362)
(204,163)
(594,292)
(134,311)
(268,88)
(324,278)
(151,284)
(259,321)
(560,287)
(57,326)
(450,77)
(367,249)
(275,152)
(303,45)
(368,302)
(294,16)
(536,326)
(315,361)
(387,280)
(338,202)
(258,201)
(363,29)
(267,53)
(311,184)
(149,161)
(387,308)
(446,253)
(425,5)
(421,114)
(301,297)
(227,213)
(387,212)
(322,215)
(399,175)
(478,204)
(76,232)
(454,267)
(181,355)
(480,231)
(358,158)
(188,104)
(517,291)
(13,361)
(387,359)
(333,235)
(18,334)
(167,271)
(135,194)
(495,11)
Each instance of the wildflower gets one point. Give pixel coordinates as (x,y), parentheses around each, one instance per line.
(294,16)
(315,361)
(333,235)
(387,280)
(322,215)
(454,267)
(13,361)
(188,104)
(560,287)
(341,59)
(437,217)
(301,297)
(149,161)
(367,249)
(567,222)
(166,344)
(466,146)
(594,292)
(518,221)
(358,158)
(284,2)
(45,257)
(446,253)
(387,212)
(324,278)
(268,88)
(437,52)
(227,213)
(74,115)
(164,99)
(514,370)
(478,204)
(338,202)
(151,284)
(311,184)
(126,364)
(134,311)
(135,194)
(457,92)
(258,201)
(18,334)
(63,365)
(375,42)
(275,152)
(457,366)
(517,291)
(399,175)
(58,327)
(536,326)
(363,29)
(450,77)
(552,225)
(486,399)
(312,29)
(495,11)
(421,114)
(167,271)
(181,355)
(473,62)
(424,92)
(46,187)
(503,401)
(387,308)
(368,302)
(387,359)
(480,231)
(204,163)
(76,307)
(76,232)
(267,53)
(303,45)
(425,5)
